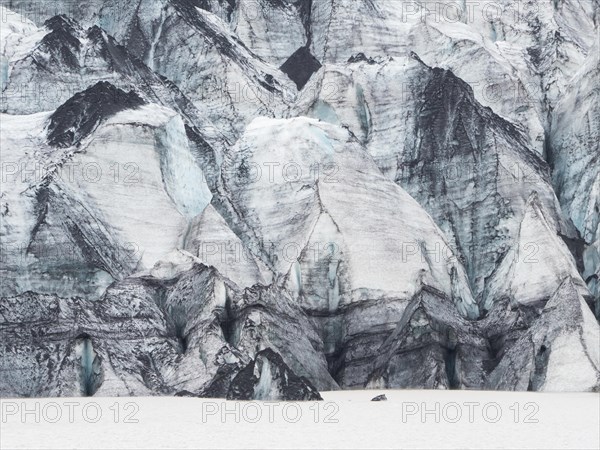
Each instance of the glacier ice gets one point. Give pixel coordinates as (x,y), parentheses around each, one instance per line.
(261,199)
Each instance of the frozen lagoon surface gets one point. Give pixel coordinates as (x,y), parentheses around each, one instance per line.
(345,419)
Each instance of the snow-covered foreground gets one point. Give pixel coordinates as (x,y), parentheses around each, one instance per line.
(409,419)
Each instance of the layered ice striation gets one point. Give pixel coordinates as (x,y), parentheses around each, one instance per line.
(575,156)
(472,170)
(96,191)
(261,199)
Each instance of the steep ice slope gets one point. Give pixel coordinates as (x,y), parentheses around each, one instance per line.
(80,116)
(68,59)
(343,28)
(469,168)
(535,265)
(518,56)
(553,38)
(210,239)
(558,351)
(327,316)
(575,156)
(117,193)
(214,69)
(270,318)
(17,33)
(235,85)
(150,335)
(329,273)
(271,29)
(132,346)
(23,141)
(321,183)
(556,36)
(432,347)
(353,247)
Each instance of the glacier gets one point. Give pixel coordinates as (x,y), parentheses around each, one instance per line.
(271,199)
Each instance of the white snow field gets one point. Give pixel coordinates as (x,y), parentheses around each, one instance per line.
(345,419)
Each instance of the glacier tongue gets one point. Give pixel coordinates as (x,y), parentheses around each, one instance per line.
(259,199)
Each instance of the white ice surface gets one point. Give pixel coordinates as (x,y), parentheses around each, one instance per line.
(158,187)
(346,419)
(537,263)
(388,243)
(18,35)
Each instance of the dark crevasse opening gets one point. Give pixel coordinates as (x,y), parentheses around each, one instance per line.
(334,348)
(181,337)
(227,322)
(300,67)
(450,365)
(538,377)
(177,320)
(91,374)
